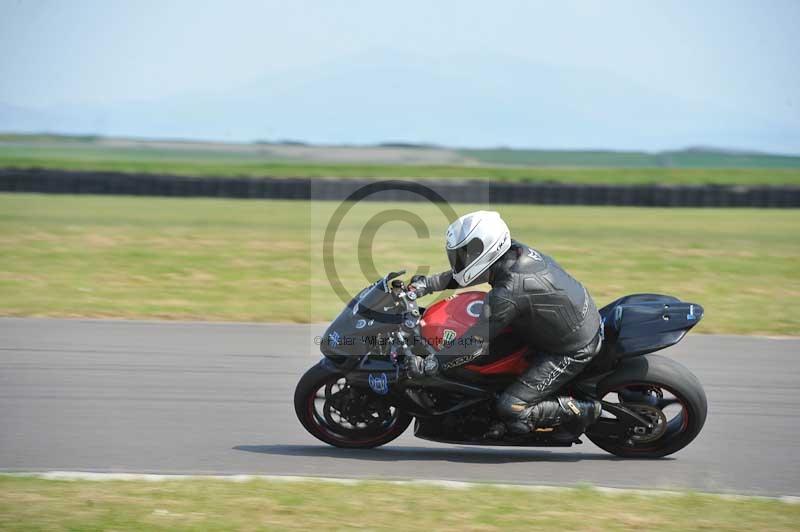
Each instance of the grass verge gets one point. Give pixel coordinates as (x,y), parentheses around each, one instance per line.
(220,164)
(128,257)
(35,504)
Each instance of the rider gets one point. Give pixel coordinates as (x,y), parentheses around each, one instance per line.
(542,304)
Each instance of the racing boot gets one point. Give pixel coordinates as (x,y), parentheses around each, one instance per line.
(567,415)
(564,412)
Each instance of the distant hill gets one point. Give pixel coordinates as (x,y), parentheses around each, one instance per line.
(385,95)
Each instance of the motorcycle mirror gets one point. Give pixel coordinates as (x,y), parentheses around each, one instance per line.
(394,275)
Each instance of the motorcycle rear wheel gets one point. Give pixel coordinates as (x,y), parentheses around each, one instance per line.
(343,416)
(662,390)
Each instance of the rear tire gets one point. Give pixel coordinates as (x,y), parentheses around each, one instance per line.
(321,426)
(668,375)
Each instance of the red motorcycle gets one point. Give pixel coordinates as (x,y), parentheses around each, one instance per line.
(358,396)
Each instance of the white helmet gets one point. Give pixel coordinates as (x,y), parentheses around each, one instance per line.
(474,242)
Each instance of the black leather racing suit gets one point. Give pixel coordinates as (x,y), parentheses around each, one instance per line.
(551,311)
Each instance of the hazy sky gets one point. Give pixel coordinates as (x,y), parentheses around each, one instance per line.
(675,73)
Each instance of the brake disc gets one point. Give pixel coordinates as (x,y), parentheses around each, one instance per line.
(657,418)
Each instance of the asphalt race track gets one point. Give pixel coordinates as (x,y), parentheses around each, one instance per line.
(158,397)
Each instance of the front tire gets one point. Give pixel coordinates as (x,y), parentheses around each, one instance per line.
(661,389)
(336,413)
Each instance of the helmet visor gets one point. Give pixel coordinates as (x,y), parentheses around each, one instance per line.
(464,256)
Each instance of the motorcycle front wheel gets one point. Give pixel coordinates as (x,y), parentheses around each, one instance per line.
(342,415)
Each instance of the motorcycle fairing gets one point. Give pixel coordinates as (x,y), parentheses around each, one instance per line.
(643,323)
(513,364)
(361,326)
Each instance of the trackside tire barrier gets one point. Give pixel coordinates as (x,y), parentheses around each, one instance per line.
(116,183)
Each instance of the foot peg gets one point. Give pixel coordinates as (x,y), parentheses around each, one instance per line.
(496,432)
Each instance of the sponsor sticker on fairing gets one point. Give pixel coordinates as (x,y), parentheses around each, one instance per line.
(379,383)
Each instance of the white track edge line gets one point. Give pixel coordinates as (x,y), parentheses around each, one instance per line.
(447,484)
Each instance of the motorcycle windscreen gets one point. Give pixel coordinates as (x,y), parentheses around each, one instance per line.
(362,326)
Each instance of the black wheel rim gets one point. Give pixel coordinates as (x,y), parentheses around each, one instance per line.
(666,409)
(351,415)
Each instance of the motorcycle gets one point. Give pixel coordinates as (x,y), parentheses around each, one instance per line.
(358,395)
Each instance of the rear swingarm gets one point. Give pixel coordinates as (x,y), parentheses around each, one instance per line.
(624,417)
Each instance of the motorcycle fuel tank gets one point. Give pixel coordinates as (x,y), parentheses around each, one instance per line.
(449,319)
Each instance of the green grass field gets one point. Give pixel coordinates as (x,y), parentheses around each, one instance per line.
(126,257)
(696,158)
(566,167)
(35,504)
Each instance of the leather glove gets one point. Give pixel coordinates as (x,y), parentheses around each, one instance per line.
(420,284)
(417,367)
